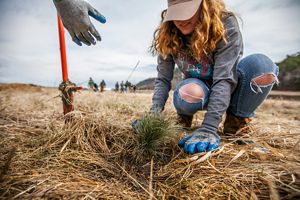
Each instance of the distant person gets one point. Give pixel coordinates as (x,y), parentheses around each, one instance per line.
(134,88)
(205,42)
(95,87)
(92,85)
(127,86)
(75,17)
(117,86)
(122,87)
(102,86)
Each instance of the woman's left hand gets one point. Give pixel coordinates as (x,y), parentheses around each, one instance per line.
(199,141)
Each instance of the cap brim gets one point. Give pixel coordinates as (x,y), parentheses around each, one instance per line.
(182,11)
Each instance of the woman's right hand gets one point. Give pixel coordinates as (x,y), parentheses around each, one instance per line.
(199,141)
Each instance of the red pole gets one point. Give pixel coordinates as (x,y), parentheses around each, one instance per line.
(66,87)
(63,54)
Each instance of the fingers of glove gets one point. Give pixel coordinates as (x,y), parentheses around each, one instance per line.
(94,32)
(95,14)
(190,148)
(89,37)
(213,146)
(82,39)
(202,146)
(181,143)
(75,38)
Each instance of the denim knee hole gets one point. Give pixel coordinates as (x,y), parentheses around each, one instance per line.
(180,91)
(259,86)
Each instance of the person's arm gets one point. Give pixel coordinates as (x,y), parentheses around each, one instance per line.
(75,17)
(226,57)
(225,77)
(162,86)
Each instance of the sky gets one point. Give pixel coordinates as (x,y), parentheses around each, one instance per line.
(29,47)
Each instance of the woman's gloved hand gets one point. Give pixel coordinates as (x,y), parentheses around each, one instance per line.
(199,141)
(135,125)
(75,17)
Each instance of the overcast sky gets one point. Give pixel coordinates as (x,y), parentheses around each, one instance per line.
(29,48)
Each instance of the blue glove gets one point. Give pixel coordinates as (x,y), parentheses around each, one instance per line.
(199,141)
(135,125)
(75,17)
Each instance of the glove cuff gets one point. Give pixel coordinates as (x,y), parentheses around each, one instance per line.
(208,129)
(202,130)
(156,108)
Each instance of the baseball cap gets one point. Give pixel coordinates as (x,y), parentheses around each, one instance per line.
(181,9)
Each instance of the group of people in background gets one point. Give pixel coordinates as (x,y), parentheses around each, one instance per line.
(122,87)
(125,87)
(93,86)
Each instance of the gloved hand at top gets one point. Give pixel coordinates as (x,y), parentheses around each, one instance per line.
(200,141)
(75,17)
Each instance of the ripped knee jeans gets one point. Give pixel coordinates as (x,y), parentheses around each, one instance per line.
(256,76)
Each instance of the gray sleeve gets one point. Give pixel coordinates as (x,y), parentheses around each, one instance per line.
(226,57)
(162,86)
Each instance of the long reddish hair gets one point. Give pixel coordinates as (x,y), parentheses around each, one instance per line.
(168,40)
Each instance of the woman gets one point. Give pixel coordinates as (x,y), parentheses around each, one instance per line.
(205,42)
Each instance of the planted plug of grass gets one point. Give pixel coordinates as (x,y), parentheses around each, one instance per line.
(154,132)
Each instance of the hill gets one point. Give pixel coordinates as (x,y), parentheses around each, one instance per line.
(289,75)
(20,87)
(147,84)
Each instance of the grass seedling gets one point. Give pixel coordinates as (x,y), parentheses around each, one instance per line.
(154,132)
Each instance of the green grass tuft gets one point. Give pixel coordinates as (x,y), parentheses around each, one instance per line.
(154,132)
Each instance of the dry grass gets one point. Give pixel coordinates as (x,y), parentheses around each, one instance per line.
(95,155)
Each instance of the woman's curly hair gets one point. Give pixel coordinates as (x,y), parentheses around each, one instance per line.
(168,40)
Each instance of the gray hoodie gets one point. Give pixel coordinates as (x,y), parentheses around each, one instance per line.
(219,70)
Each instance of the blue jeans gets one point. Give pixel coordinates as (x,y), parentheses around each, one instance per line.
(247,95)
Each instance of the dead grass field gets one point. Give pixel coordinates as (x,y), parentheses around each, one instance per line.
(94,157)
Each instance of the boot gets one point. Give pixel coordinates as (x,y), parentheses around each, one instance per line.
(237,126)
(185,120)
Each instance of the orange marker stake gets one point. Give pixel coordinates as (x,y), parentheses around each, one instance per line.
(66,87)
(63,53)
